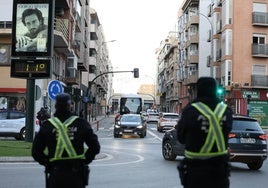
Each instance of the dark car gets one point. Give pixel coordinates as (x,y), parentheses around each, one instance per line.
(247,143)
(130,124)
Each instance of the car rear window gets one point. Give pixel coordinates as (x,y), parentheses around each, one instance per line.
(246,125)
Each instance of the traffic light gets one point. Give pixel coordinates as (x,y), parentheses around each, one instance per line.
(136,72)
(220,91)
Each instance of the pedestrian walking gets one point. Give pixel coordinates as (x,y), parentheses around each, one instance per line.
(64,136)
(204,127)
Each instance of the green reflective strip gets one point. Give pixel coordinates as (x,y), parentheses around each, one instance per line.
(214,133)
(197,155)
(64,141)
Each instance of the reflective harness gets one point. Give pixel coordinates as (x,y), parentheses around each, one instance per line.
(63,141)
(214,133)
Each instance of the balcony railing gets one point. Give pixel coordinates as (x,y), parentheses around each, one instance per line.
(72,76)
(260,18)
(5,24)
(260,50)
(259,81)
(61,32)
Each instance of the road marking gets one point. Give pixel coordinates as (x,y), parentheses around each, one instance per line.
(154,135)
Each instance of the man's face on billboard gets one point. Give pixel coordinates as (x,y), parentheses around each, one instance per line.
(32,23)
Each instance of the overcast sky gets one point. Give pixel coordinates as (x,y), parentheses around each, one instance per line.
(138,26)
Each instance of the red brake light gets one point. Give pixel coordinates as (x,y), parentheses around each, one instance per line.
(231,135)
(263,136)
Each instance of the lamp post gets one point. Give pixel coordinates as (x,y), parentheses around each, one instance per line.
(154,89)
(212,32)
(102,50)
(98,59)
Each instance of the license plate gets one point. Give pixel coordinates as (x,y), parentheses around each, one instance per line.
(128,131)
(247,140)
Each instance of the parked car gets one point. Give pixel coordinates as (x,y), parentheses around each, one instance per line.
(167,121)
(130,124)
(12,124)
(152,116)
(247,143)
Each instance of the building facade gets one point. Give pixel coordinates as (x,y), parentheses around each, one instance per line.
(71,65)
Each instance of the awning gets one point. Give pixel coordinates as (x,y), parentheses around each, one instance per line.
(12,90)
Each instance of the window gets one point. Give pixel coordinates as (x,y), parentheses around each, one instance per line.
(259,70)
(5,54)
(259,39)
(259,7)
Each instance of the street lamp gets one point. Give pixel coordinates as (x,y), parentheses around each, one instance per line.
(212,32)
(102,50)
(98,59)
(154,91)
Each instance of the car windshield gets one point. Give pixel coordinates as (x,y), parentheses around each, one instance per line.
(153,114)
(243,125)
(171,116)
(130,119)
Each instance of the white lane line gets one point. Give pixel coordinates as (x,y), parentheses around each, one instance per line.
(154,135)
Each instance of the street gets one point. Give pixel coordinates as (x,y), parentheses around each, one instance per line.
(129,162)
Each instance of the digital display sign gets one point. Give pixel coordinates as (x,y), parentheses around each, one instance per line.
(39,68)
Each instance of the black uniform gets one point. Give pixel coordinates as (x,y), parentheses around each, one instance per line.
(65,173)
(192,131)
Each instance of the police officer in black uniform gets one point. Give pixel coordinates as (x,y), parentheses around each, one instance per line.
(64,136)
(204,127)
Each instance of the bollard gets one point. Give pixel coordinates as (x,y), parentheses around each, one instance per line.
(98,125)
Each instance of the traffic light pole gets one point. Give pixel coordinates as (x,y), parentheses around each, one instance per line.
(136,75)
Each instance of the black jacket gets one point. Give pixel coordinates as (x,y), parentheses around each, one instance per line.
(80,133)
(189,129)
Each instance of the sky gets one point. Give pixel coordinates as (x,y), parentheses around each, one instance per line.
(138,26)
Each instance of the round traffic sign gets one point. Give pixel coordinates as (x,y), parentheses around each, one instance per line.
(54,88)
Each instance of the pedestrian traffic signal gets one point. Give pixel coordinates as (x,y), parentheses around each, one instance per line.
(136,72)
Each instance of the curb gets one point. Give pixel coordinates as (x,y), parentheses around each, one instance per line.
(30,159)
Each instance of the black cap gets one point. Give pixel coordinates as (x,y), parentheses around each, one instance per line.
(206,87)
(63,99)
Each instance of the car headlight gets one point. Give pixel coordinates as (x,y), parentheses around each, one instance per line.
(116,126)
(139,127)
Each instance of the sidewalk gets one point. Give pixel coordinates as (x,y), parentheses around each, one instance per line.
(94,125)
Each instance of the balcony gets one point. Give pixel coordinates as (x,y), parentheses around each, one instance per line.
(260,50)
(190,80)
(259,81)
(193,20)
(72,76)
(61,35)
(260,19)
(5,27)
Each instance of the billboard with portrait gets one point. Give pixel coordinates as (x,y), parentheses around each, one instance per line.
(32,28)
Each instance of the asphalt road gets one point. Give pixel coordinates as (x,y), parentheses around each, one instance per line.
(129,162)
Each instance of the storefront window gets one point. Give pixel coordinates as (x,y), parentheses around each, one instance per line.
(15,103)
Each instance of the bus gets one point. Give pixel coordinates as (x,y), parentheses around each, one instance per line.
(130,104)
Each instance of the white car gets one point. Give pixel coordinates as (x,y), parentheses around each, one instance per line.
(167,121)
(152,117)
(12,124)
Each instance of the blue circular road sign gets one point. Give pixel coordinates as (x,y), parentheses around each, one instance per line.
(54,88)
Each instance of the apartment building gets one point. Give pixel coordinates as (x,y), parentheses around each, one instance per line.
(72,60)
(167,87)
(217,39)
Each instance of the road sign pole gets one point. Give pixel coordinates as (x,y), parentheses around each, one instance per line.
(30,107)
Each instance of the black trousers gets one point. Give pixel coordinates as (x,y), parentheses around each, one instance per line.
(208,175)
(65,178)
